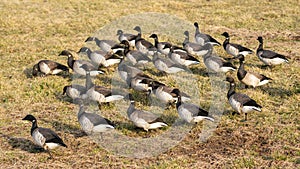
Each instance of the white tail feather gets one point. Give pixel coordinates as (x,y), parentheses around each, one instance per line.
(200,118)
(96,72)
(113,98)
(157,125)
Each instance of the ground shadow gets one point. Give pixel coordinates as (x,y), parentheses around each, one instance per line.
(276,91)
(22,144)
(200,71)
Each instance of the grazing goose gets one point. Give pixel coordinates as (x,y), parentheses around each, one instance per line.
(103,58)
(140,82)
(180,56)
(167,94)
(75,91)
(194,48)
(129,37)
(166,65)
(241,103)
(234,49)
(136,57)
(191,113)
(98,93)
(92,123)
(217,64)
(143,119)
(160,45)
(127,72)
(203,39)
(104,45)
(48,67)
(143,45)
(44,137)
(269,57)
(250,78)
(75,65)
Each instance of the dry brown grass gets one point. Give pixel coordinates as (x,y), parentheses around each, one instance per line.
(37,30)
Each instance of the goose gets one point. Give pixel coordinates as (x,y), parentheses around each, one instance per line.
(103,58)
(217,64)
(104,45)
(166,65)
(250,78)
(241,103)
(75,91)
(98,93)
(180,56)
(143,45)
(127,72)
(44,137)
(140,82)
(75,65)
(143,119)
(129,37)
(92,123)
(234,49)
(203,39)
(167,94)
(191,113)
(136,57)
(194,48)
(160,45)
(269,57)
(48,67)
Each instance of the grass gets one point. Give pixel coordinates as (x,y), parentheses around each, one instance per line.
(37,30)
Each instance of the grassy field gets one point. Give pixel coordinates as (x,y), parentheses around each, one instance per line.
(31,31)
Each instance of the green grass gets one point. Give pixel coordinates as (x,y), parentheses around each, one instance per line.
(31,31)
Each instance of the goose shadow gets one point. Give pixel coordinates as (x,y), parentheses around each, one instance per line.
(66,128)
(22,144)
(276,91)
(200,71)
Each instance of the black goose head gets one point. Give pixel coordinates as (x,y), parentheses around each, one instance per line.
(35,69)
(125,43)
(186,33)
(229,79)
(240,57)
(225,34)
(154,36)
(84,50)
(91,39)
(176,92)
(65,53)
(138,29)
(260,39)
(30,118)
(196,24)
(65,89)
(119,32)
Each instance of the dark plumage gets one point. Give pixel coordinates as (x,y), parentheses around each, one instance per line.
(143,45)
(269,57)
(195,48)
(181,56)
(234,49)
(241,103)
(126,36)
(160,45)
(203,39)
(48,67)
(105,45)
(44,137)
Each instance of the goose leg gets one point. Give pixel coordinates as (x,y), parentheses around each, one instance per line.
(48,151)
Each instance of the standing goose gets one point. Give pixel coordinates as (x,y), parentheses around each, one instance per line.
(234,49)
(241,103)
(136,57)
(75,65)
(167,94)
(166,65)
(143,119)
(160,45)
(269,57)
(203,39)
(98,93)
(194,48)
(143,45)
(217,64)
(189,112)
(92,123)
(105,45)
(129,37)
(103,58)
(44,137)
(250,78)
(140,82)
(75,91)
(127,72)
(48,67)
(180,56)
